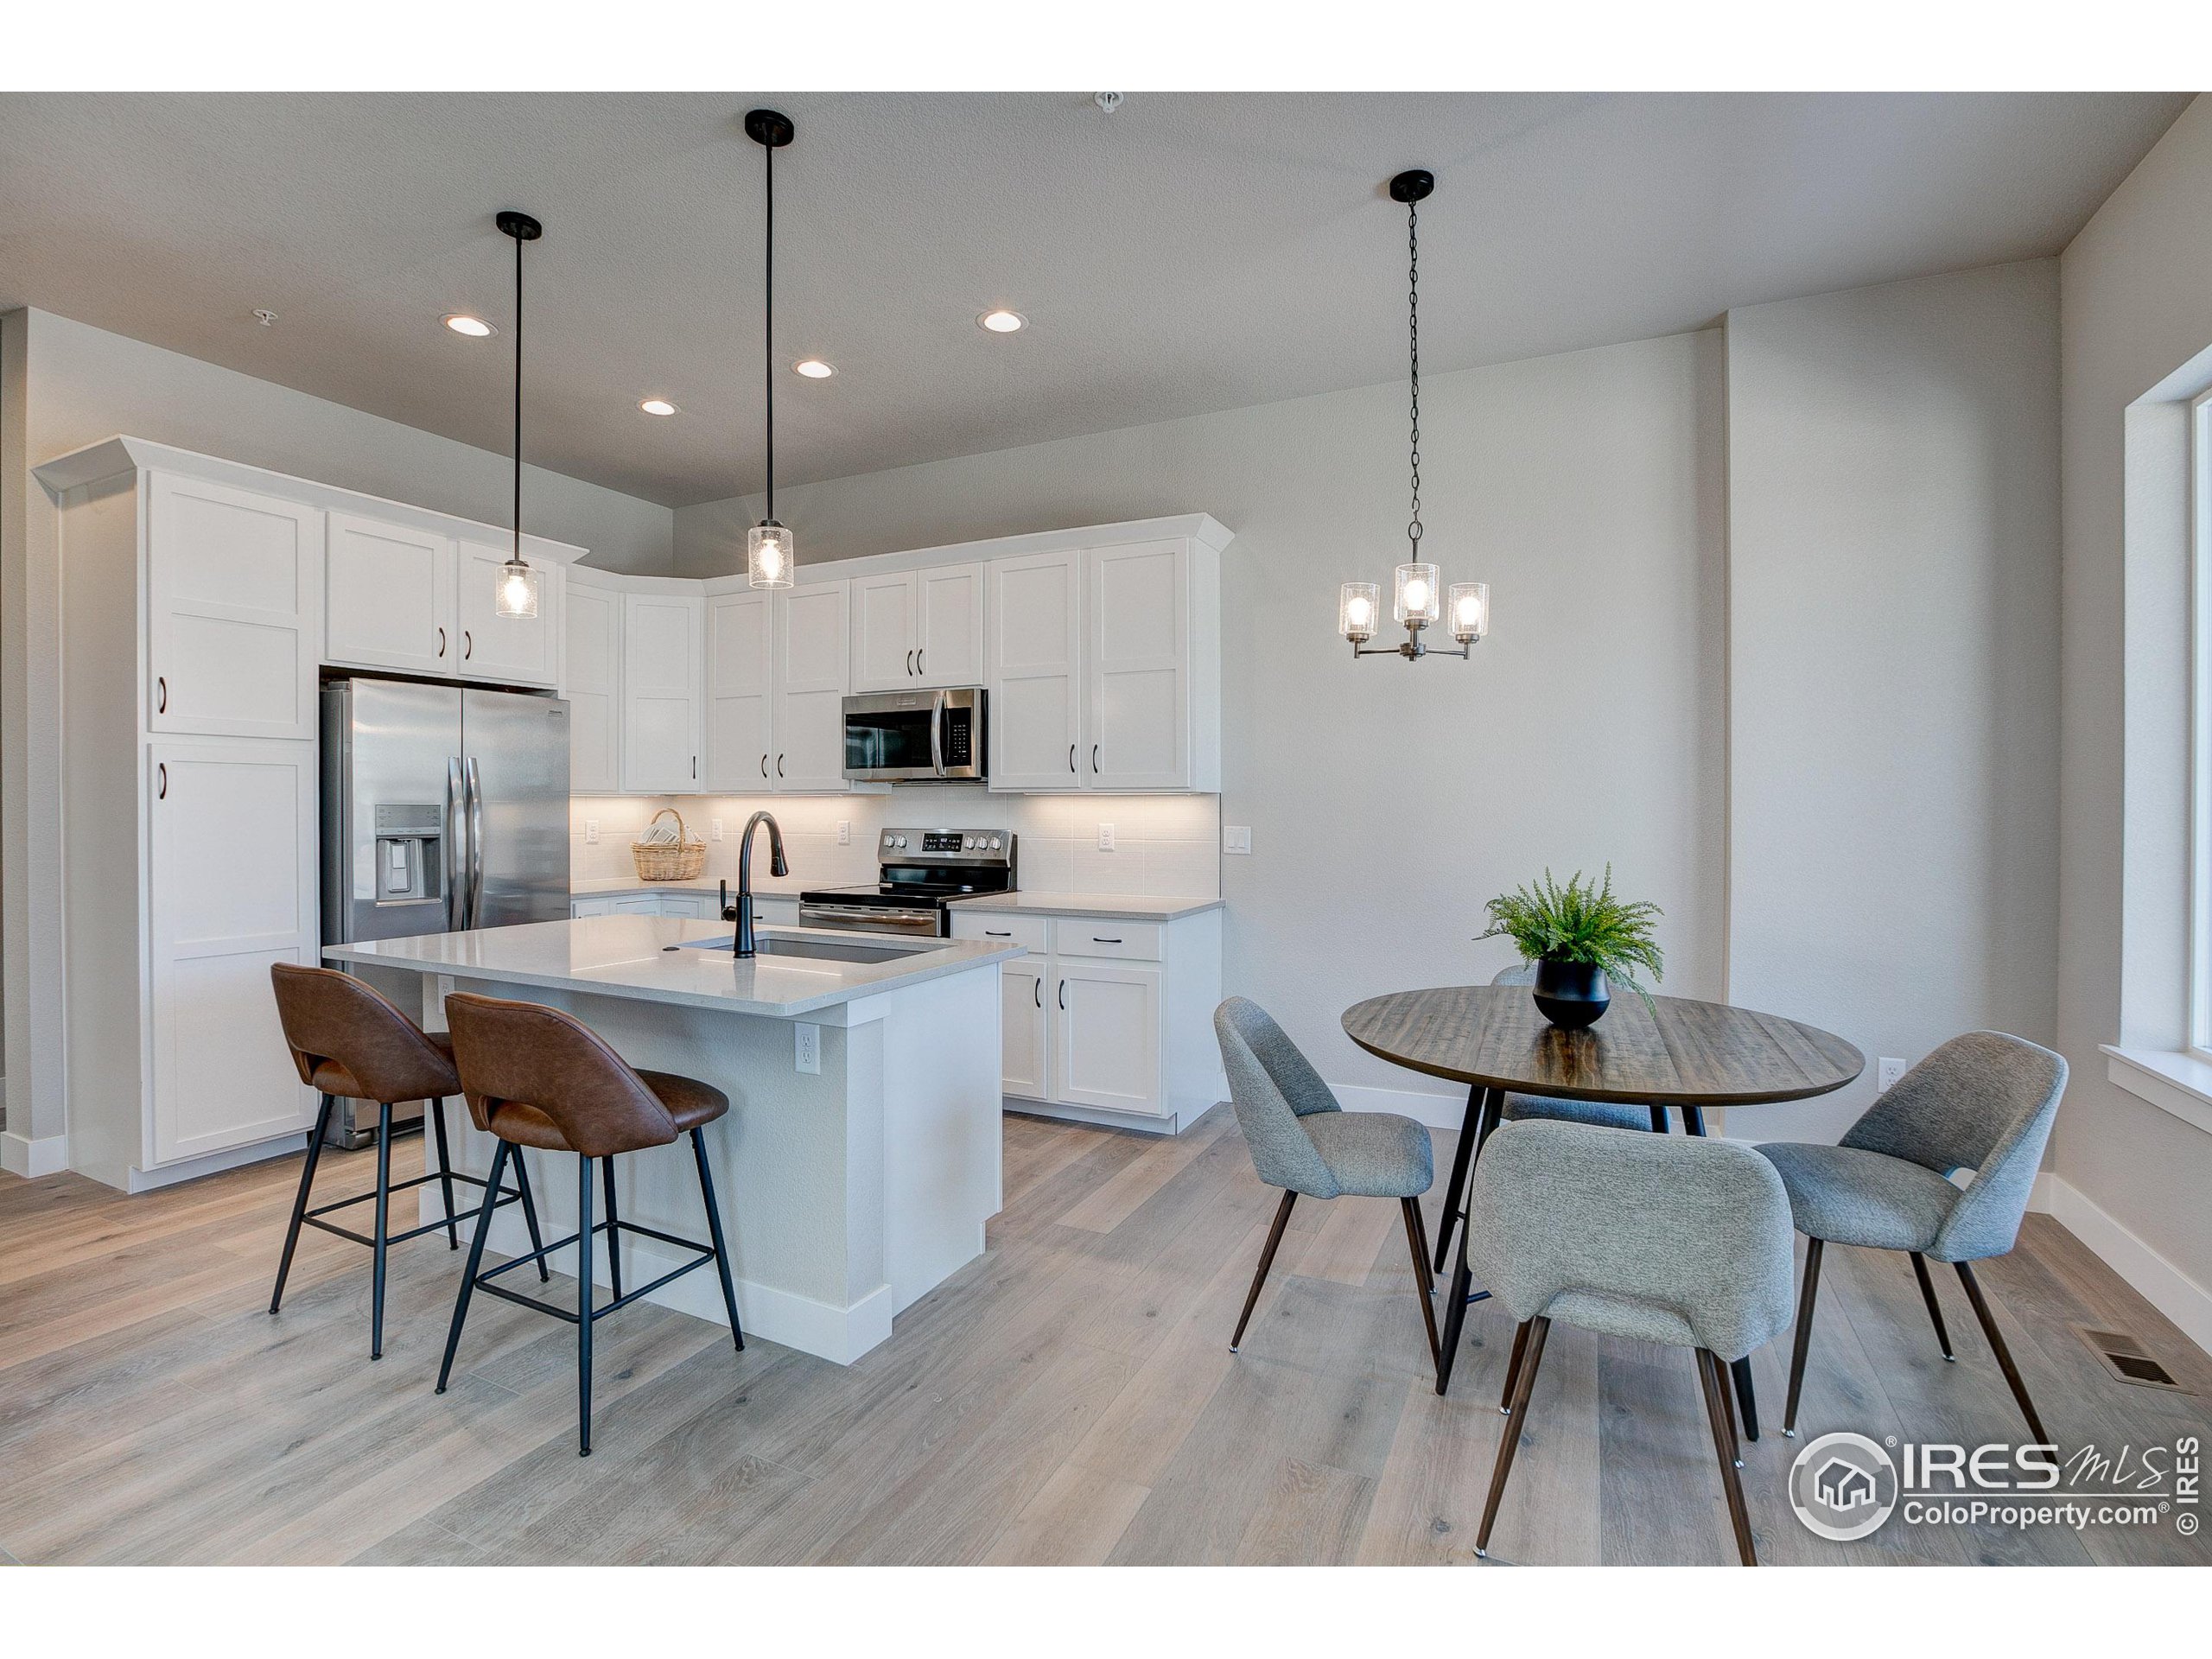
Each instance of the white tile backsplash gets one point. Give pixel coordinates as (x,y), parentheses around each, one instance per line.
(1165,844)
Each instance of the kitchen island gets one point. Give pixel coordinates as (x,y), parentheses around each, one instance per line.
(861,1155)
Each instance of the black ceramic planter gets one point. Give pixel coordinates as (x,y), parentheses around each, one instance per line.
(1571,994)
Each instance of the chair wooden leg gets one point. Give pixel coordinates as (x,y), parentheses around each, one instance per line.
(499,1151)
(1739,1376)
(2004,1354)
(583,1306)
(1513,1367)
(1509,1440)
(382,1230)
(1420,1234)
(1927,1295)
(1735,1446)
(1422,1293)
(300,1204)
(1266,1261)
(1711,1372)
(445,1171)
(1804,1337)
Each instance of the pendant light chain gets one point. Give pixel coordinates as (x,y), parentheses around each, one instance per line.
(1413,334)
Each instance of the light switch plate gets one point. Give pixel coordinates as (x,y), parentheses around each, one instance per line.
(806,1047)
(1237,838)
(716,828)
(591,832)
(1105,837)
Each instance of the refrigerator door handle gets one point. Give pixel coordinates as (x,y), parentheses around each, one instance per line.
(456,845)
(475,843)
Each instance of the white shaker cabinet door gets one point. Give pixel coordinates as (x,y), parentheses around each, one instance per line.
(1106,1037)
(508,649)
(740,692)
(813,653)
(948,625)
(1136,667)
(390,598)
(232,889)
(594,630)
(885,634)
(1025,1025)
(1035,642)
(234,611)
(662,689)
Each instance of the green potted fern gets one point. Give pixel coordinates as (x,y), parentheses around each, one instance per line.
(1580,936)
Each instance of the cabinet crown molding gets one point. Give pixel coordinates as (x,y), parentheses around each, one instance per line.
(123,456)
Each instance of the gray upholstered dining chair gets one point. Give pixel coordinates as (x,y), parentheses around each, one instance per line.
(1984,1102)
(1598,1113)
(1662,1239)
(1304,1143)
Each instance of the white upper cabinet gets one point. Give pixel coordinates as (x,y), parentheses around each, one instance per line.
(594,631)
(813,674)
(508,649)
(391,597)
(234,625)
(1136,668)
(1035,692)
(740,692)
(664,687)
(918,628)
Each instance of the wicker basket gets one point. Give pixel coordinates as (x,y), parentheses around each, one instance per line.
(680,859)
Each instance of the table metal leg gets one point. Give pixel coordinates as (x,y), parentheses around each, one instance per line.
(1462,1158)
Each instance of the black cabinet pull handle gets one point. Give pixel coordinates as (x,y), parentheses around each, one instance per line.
(441,642)
(779,766)
(695,768)
(467,645)
(921,660)
(994,933)
(1094,939)
(1093,757)
(162,771)
(1064,996)
(764,765)
(1071,757)
(1040,984)
(162,694)
(910,664)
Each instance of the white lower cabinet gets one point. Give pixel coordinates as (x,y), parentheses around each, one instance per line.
(1110,1022)
(231,890)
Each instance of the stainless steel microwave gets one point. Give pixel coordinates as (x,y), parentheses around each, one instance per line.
(916,737)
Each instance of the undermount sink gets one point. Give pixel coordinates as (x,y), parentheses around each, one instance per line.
(771,944)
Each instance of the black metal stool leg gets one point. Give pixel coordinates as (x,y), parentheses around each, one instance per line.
(583,1306)
(529,1213)
(300,1204)
(475,1258)
(714,1232)
(1454,1188)
(613,1229)
(384,1228)
(445,1171)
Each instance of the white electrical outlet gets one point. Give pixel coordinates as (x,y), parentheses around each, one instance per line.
(1237,838)
(1105,837)
(806,1046)
(844,832)
(1886,1073)
(714,828)
(591,832)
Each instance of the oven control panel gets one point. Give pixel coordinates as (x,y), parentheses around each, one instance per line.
(969,846)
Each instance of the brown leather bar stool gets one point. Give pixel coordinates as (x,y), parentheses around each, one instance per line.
(350,1043)
(535,1077)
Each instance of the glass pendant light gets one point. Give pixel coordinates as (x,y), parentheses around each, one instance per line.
(516,591)
(770,556)
(1419,599)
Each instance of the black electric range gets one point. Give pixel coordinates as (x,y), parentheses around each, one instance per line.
(920,871)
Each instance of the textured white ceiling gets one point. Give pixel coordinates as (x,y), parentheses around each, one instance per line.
(1189,253)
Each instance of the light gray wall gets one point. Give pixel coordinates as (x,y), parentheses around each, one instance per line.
(1388,801)
(2136,306)
(86,385)
(1893,635)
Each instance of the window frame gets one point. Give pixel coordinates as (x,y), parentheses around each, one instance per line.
(2200,727)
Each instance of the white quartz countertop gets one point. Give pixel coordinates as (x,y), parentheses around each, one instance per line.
(1117,906)
(631,956)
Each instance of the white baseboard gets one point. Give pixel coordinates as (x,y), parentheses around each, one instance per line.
(2157,1281)
(1437,1111)
(213,1163)
(21,1155)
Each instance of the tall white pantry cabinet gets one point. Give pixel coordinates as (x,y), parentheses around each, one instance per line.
(198,607)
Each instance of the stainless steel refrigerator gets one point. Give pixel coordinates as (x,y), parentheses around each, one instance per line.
(444,808)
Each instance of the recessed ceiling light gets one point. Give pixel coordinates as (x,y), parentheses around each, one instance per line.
(475,328)
(814,368)
(657,406)
(1003,322)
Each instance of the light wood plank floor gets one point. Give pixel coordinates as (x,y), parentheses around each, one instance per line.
(1069,1398)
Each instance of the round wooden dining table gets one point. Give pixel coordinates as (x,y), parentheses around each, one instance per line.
(1673,1052)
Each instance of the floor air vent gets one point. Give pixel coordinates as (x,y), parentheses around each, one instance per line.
(2123,1356)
